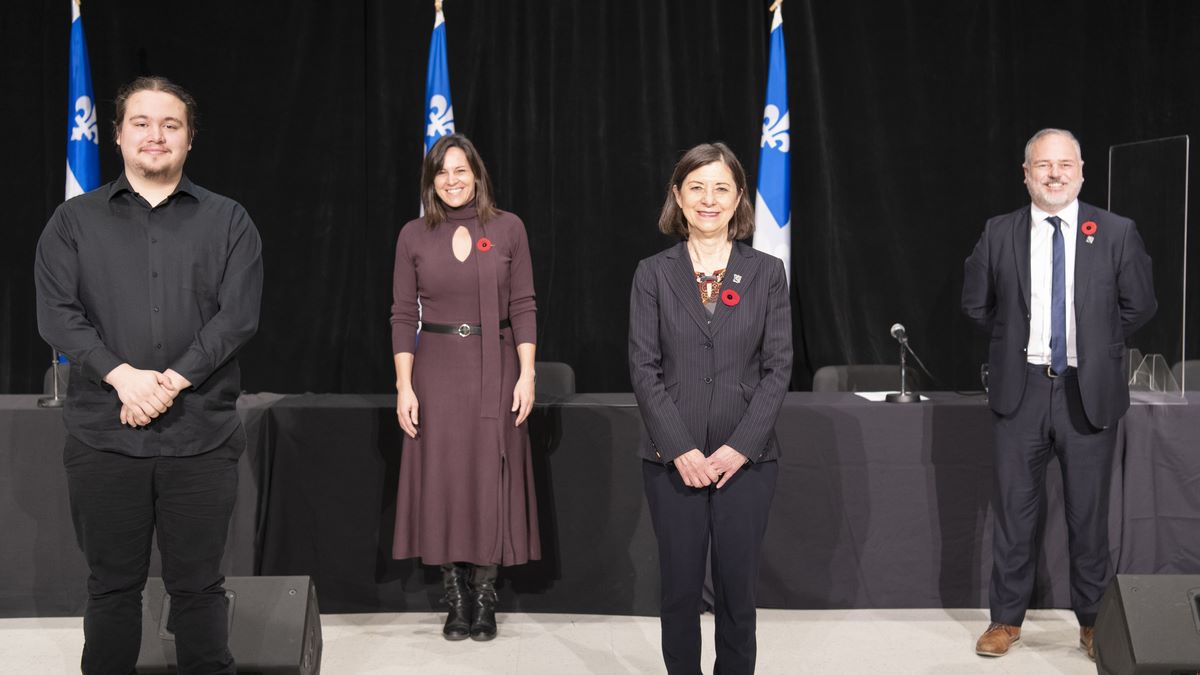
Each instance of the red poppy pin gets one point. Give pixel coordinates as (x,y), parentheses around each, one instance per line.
(730,297)
(1088,228)
(484,244)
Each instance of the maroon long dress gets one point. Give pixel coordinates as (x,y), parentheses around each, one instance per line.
(466,489)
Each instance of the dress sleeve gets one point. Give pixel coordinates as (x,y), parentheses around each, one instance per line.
(522,307)
(405,313)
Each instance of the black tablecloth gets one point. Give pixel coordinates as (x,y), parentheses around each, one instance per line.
(42,572)
(877,505)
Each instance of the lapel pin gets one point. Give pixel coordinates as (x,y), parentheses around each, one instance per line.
(737,278)
(1089,228)
(730,297)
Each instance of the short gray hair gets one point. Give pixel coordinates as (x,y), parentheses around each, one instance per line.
(1050,132)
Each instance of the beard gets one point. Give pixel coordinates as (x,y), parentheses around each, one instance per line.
(154,173)
(1049,201)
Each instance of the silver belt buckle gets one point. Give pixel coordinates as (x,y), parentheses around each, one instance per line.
(465,331)
(1050,372)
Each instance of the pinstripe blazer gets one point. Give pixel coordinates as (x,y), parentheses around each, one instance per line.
(701,382)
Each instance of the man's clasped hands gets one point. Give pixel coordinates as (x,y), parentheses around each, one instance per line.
(145,394)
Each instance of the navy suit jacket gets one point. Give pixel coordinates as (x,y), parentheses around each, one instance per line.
(1114,296)
(700,382)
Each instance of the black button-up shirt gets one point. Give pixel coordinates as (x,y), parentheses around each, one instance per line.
(175,286)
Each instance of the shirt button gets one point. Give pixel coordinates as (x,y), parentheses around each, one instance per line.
(708,380)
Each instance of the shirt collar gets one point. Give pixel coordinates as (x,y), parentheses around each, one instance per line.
(1069,214)
(121,184)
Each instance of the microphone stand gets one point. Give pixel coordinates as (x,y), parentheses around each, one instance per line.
(904,396)
(57,400)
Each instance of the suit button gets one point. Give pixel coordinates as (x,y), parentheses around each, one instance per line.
(1027,317)
(1024,350)
(708,344)
(708,380)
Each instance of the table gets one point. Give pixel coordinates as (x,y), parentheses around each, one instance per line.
(878,505)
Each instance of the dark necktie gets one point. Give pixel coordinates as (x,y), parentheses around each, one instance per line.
(1058,300)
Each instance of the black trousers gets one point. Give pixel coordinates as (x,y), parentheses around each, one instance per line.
(117,503)
(1050,422)
(685,519)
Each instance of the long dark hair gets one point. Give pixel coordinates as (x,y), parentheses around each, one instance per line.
(435,210)
(671,221)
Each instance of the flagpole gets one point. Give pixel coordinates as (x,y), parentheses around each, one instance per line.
(83,149)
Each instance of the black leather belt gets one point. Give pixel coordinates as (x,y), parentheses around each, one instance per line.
(1048,370)
(461,330)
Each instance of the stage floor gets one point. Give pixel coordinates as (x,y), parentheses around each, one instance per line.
(928,641)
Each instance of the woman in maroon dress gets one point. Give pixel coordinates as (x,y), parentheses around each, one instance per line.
(464,386)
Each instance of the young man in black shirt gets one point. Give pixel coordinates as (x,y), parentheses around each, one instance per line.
(150,285)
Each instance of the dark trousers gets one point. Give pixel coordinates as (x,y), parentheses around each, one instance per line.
(685,519)
(117,503)
(1050,422)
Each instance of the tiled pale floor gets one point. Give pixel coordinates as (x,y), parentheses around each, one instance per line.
(929,641)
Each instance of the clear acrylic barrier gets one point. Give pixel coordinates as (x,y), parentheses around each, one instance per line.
(1148,182)
(1153,376)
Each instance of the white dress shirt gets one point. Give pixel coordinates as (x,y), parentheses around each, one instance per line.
(1041,261)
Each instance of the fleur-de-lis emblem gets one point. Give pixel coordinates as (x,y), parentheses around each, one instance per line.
(775,129)
(85,121)
(441,117)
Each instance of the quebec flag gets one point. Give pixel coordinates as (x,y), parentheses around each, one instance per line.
(439,114)
(83,130)
(773,204)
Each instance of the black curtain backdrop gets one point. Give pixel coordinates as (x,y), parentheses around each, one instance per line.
(908,121)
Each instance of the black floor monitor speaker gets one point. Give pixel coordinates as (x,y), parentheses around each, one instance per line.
(1149,625)
(274,626)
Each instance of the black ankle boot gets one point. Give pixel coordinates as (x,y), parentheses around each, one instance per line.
(458,622)
(483,585)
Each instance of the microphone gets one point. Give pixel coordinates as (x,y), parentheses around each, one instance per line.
(904,395)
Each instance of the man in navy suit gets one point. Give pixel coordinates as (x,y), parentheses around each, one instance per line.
(1059,285)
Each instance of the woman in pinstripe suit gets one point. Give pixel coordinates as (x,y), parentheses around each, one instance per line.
(710,356)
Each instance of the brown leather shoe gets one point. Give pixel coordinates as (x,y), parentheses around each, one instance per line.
(1087,640)
(997,639)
